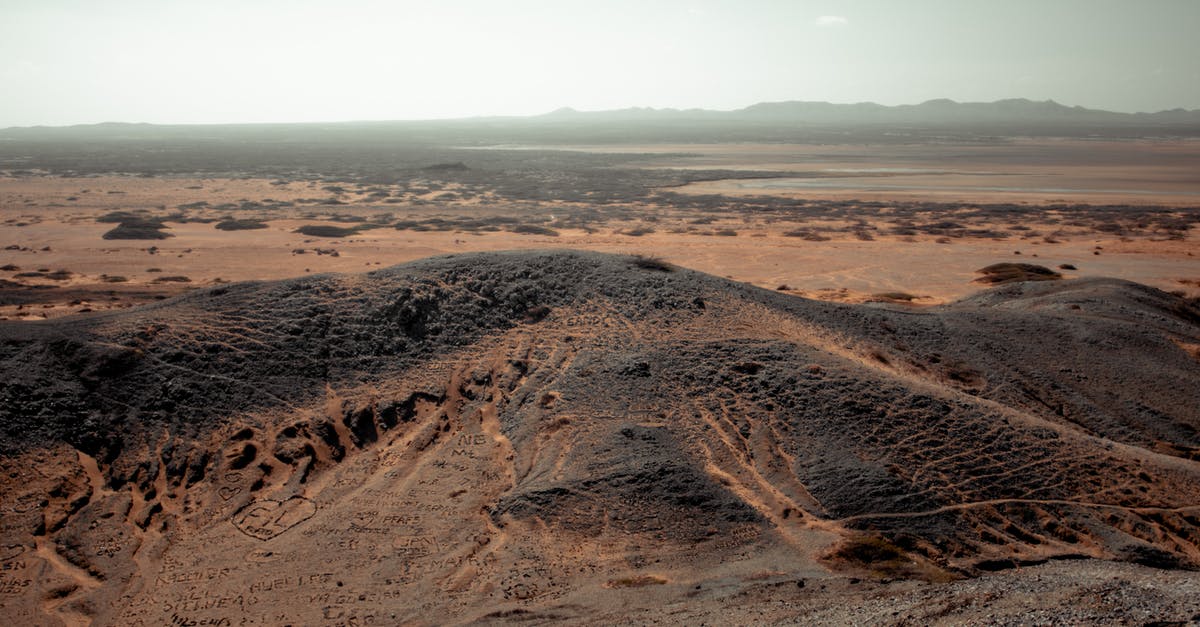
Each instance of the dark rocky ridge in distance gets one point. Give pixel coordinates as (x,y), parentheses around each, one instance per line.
(603,418)
(937,113)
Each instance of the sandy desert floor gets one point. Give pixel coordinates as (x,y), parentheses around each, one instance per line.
(902,225)
(1017,170)
(49,224)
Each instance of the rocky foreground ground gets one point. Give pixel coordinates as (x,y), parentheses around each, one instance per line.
(535,437)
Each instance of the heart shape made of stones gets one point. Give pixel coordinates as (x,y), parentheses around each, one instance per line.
(266,518)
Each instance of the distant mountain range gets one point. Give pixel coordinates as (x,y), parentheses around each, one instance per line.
(781,121)
(940,111)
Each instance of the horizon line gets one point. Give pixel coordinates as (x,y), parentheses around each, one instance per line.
(567,109)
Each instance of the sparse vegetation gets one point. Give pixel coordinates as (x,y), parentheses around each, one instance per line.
(807,235)
(326,230)
(115,217)
(1004,273)
(868,550)
(647,262)
(533,229)
(57,275)
(138,228)
(231,224)
(884,559)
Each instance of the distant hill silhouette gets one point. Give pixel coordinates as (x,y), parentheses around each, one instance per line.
(933,112)
(1014,115)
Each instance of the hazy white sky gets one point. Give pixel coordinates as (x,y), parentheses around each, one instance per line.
(185,61)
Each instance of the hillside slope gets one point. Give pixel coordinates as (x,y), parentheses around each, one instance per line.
(549,435)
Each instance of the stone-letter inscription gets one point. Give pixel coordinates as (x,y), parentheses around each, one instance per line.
(268,518)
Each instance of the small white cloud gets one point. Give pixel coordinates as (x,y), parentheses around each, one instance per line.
(831,20)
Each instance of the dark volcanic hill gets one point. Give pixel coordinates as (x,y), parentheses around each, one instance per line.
(558,435)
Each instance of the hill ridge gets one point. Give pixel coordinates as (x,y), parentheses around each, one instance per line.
(520,430)
(789,111)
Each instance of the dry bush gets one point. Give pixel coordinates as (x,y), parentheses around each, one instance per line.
(138,228)
(868,550)
(1003,273)
(231,224)
(647,262)
(325,230)
(807,235)
(533,229)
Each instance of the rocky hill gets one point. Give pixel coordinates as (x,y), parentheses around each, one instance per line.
(561,435)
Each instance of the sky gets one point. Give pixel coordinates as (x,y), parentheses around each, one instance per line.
(224,61)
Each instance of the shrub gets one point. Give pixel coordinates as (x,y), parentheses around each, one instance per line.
(647,262)
(114,217)
(138,228)
(883,558)
(240,225)
(868,550)
(533,229)
(808,235)
(1003,273)
(326,230)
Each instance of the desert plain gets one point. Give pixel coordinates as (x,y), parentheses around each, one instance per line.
(832,222)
